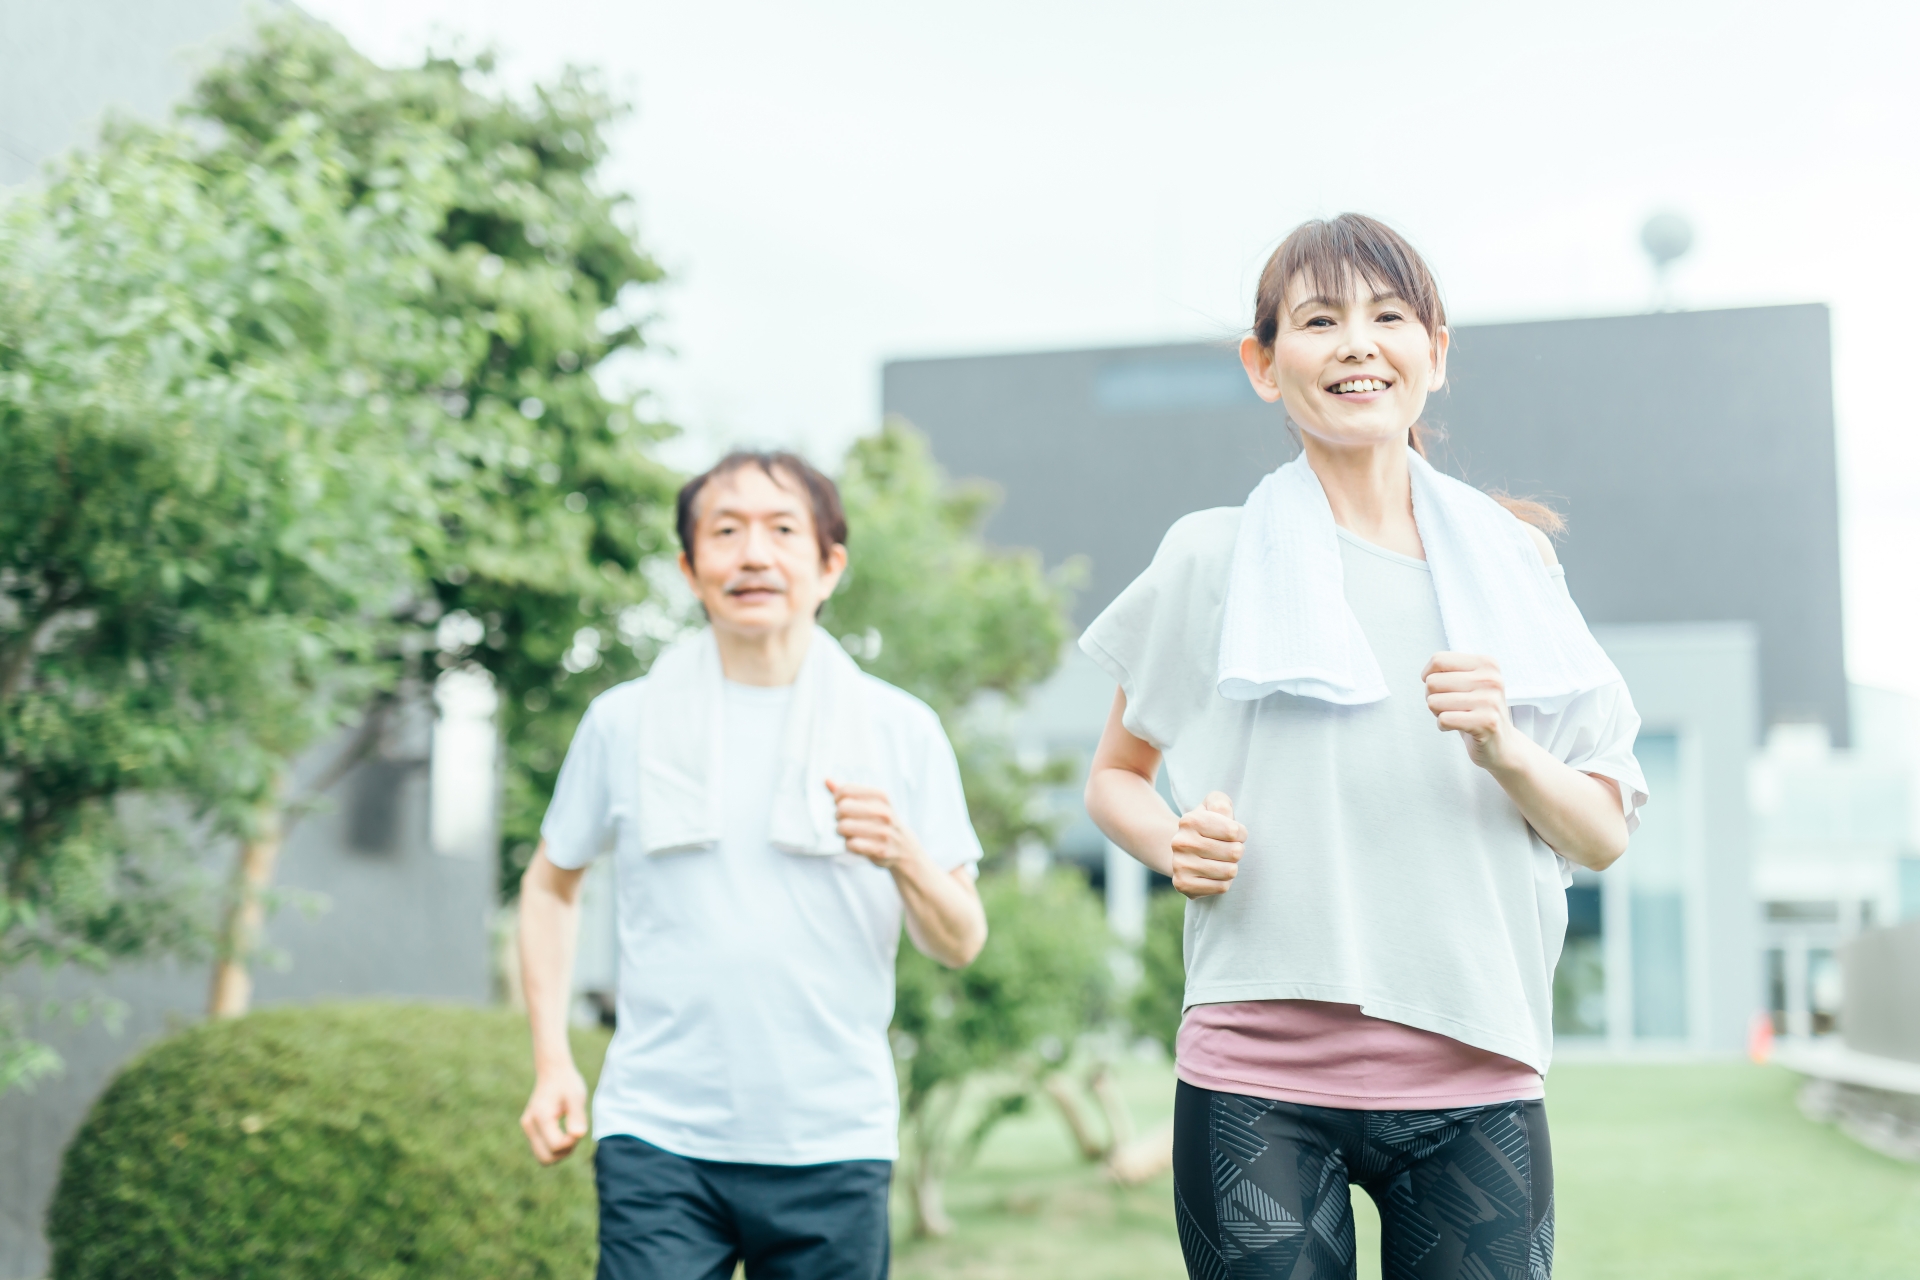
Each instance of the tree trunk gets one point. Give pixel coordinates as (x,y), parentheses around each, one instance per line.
(930,1220)
(1147,1156)
(1092,1146)
(1112,1106)
(246,912)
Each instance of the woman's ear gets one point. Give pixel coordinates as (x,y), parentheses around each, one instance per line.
(1258,362)
(1441,341)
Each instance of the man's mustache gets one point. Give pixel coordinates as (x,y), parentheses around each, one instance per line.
(767,580)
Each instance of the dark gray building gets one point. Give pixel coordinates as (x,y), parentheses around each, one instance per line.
(1692,453)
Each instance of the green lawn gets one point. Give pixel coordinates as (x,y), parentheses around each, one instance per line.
(1664,1173)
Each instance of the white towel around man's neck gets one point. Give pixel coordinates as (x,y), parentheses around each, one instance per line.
(1287,627)
(683,754)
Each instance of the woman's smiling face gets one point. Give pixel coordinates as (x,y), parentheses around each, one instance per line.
(1352,370)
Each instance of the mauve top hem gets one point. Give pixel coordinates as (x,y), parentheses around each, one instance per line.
(1348,1102)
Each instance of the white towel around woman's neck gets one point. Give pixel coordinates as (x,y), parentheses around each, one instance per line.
(683,753)
(1287,627)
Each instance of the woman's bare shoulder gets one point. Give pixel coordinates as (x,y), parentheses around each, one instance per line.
(1541,543)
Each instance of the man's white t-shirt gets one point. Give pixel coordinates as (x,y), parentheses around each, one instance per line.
(755,986)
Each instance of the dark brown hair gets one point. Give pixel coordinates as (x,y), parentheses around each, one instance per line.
(1333,255)
(829,517)
(1336,255)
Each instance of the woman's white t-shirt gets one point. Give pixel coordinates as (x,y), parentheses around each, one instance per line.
(1382,868)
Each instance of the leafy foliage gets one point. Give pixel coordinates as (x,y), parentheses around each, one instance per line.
(1041,980)
(546,505)
(203,524)
(927,605)
(322,1142)
(298,411)
(1154,1009)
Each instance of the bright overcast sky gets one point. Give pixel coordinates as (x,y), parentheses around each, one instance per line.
(837,182)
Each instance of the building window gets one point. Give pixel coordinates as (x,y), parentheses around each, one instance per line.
(1656,869)
(1824,991)
(1580,980)
(1777,989)
(1803,912)
(1171,385)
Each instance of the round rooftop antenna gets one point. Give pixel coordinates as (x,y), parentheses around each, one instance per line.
(1666,237)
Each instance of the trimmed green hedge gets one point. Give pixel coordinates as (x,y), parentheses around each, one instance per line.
(365,1140)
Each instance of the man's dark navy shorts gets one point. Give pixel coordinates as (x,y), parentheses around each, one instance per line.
(669,1217)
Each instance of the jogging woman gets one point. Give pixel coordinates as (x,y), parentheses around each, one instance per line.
(1388,733)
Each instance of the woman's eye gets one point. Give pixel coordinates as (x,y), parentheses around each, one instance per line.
(1389,317)
(1320,322)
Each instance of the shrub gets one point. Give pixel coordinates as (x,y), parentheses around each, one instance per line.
(1041,981)
(1155,1008)
(366,1140)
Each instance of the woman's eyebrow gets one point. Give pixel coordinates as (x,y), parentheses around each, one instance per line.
(1321,300)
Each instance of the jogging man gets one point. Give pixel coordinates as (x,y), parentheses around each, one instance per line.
(774,815)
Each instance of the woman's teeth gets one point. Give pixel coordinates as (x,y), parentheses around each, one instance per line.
(1359,384)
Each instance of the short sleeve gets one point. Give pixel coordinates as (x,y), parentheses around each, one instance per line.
(1594,733)
(579,817)
(1160,638)
(940,816)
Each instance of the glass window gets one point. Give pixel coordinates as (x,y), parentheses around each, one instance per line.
(1777,990)
(1824,990)
(1656,874)
(1580,980)
(1172,384)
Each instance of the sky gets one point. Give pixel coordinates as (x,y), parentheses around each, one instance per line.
(842,182)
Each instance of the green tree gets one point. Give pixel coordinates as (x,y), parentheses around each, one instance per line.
(547,507)
(1001,1024)
(927,605)
(1154,1008)
(203,524)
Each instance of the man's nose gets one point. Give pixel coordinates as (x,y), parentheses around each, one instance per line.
(757,551)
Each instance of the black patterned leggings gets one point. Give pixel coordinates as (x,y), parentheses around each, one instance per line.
(1260,1189)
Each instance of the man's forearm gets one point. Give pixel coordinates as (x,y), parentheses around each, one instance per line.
(549,924)
(944,917)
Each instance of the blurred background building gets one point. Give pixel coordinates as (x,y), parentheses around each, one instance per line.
(1693,454)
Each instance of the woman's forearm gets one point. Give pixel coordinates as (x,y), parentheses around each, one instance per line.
(1133,815)
(1577,814)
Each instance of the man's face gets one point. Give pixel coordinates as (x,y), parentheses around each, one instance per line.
(756,563)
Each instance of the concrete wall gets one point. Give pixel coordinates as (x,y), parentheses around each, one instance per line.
(1692,452)
(1700,683)
(385,915)
(1882,1013)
